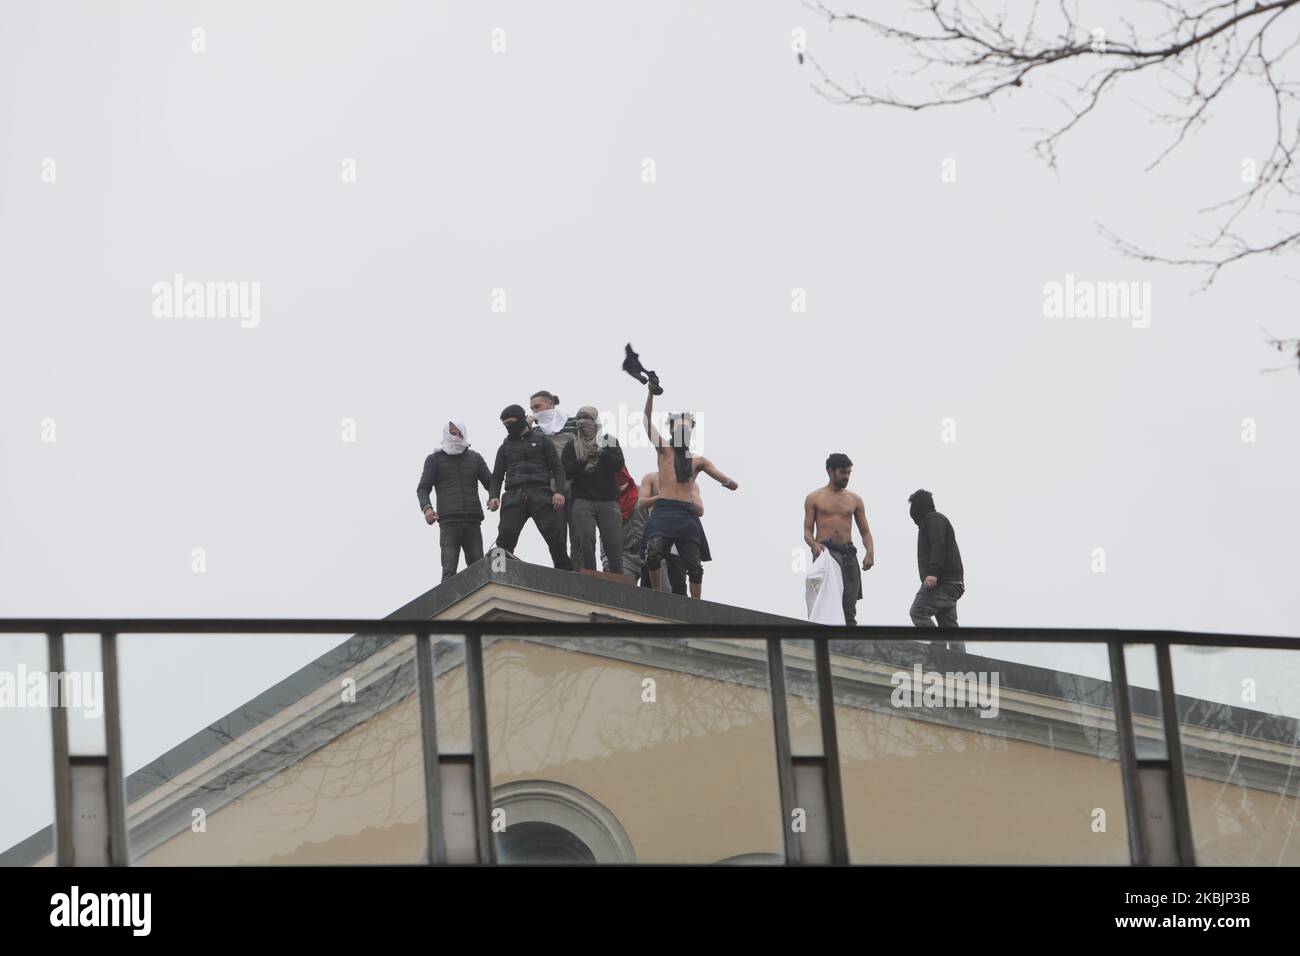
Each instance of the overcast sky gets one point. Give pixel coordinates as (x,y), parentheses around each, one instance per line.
(524,171)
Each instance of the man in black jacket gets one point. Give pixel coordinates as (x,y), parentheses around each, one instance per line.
(455,471)
(592,462)
(527,462)
(938,561)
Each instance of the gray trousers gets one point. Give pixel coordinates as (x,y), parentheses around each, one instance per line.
(631,544)
(455,536)
(587,516)
(938,602)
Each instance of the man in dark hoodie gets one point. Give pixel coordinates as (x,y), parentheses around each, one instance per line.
(528,463)
(455,470)
(938,561)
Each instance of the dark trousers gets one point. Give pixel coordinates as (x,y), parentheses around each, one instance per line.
(673,577)
(938,602)
(588,515)
(457,536)
(533,501)
(657,548)
(846,555)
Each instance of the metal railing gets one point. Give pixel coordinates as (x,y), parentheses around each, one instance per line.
(1146,831)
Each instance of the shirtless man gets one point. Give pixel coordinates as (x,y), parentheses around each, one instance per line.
(828,516)
(650,493)
(674,519)
(672,561)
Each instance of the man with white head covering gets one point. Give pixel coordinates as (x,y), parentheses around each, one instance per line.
(592,462)
(454,470)
(544,413)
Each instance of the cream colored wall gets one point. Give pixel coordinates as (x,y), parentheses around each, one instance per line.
(1236,826)
(691,777)
(358,800)
(917,792)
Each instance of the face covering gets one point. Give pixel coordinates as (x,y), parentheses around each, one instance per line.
(450,443)
(550,420)
(588,434)
(921,507)
(518,414)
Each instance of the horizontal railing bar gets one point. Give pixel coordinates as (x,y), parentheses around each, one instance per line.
(606,629)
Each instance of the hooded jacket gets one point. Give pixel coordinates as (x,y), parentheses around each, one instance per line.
(936,543)
(455,477)
(527,460)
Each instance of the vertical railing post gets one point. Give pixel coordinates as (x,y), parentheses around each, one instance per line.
(436,843)
(478,733)
(781,731)
(64,846)
(119,850)
(831,751)
(1133,815)
(1174,748)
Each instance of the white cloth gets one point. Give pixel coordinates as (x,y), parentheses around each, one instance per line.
(450,443)
(550,420)
(824,589)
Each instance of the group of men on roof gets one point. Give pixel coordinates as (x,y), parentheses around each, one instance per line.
(571,480)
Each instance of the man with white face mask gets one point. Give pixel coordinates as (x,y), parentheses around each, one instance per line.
(546,415)
(454,471)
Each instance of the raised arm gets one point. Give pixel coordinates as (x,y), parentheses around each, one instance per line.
(655,438)
(869,546)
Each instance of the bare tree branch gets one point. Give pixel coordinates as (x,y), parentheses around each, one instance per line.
(1194,51)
